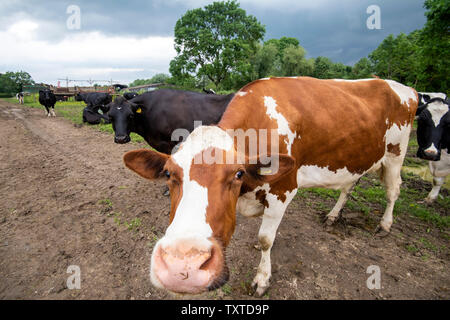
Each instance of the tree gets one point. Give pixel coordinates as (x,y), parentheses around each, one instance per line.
(215,41)
(283,43)
(397,58)
(362,69)
(293,61)
(323,68)
(434,44)
(13,82)
(265,61)
(382,58)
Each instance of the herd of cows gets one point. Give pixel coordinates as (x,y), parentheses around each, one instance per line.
(329,133)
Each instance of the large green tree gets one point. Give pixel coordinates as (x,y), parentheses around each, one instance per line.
(434,44)
(13,82)
(397,58)
(362,69)
(215,41)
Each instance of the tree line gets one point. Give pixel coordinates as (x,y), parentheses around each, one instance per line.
(221,46)
(13,82)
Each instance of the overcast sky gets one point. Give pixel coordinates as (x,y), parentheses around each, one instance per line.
(130,39)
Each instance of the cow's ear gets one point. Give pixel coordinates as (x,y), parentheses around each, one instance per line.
(137,108)
(146,163)
(420,109)
(278,166)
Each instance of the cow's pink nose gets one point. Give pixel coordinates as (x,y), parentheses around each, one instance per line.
(185,268)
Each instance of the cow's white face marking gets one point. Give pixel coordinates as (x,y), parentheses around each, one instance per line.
(190,215)
(282,123)
(403,92)
(434,95)
(437,110)
(432,149)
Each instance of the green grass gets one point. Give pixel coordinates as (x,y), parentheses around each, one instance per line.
(364,198)
(134,224)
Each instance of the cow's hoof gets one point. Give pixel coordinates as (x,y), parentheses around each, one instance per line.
(329,221)
(260,285)
(380,232)
(429,200)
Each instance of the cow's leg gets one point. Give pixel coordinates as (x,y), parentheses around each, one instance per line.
(53,112)
(47,111)
(334,213)
(437,184)
(392,181)
(270,221)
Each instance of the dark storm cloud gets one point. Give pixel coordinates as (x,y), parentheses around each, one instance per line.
(338,30)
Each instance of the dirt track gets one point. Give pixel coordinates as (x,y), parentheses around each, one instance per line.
(65,195)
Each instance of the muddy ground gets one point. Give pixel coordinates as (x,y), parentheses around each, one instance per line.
(67,199)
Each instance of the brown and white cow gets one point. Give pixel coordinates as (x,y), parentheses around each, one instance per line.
(330,133)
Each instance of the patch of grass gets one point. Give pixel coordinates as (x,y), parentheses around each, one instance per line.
(134,224)
(227,289)
(412,248)
(410,202)
(427,244)
(369,194)
(414,162)
(106,202)
(117,218)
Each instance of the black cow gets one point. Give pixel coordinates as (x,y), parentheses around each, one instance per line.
(94,101)
(130,95)
(48,100)
(155,115)
(433,137)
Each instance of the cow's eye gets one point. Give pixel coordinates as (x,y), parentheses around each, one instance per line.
(239,174)
(167,174)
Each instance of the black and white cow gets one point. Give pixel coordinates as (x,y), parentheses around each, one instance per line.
(19,97)
(433,137)
(48,100)
(424,97)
